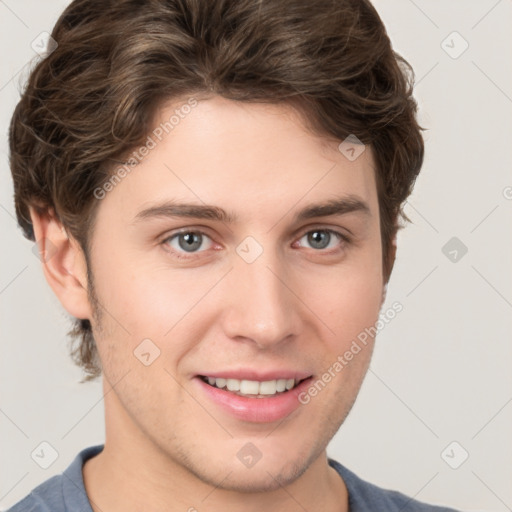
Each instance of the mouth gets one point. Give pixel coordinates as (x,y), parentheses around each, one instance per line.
(253,388)
(260,397)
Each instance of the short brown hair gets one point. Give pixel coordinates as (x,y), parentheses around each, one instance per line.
(92,99)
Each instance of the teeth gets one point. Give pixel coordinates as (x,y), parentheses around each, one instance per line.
(233,384)
(281,385)
(249,387)
(252,387)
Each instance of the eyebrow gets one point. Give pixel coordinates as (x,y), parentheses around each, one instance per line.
(337,206)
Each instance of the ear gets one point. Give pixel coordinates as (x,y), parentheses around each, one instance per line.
(63,263)
(391,259)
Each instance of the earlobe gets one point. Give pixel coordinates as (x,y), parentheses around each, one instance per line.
(63,263)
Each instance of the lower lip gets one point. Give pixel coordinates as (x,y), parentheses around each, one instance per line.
(257,410)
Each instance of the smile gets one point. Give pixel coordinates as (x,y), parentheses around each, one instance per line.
(252,388)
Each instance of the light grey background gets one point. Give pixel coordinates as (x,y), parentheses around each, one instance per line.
(441,369)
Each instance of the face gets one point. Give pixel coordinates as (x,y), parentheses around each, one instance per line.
(263,293)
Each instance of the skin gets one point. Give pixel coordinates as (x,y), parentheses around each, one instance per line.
(168,447)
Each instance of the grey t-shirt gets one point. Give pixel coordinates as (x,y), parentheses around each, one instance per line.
(66,492)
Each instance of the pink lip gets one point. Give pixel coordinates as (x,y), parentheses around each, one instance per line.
(256,410)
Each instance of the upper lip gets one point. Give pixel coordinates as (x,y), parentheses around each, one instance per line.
(252,374)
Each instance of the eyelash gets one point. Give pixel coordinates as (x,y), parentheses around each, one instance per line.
(180,255)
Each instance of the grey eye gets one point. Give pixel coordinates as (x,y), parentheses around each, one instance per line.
(188,241)
(320,238)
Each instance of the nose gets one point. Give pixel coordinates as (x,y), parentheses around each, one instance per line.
(264,308)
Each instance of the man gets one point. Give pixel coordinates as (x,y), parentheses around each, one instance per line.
(216,188)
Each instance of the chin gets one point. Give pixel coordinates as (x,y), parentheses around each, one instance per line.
(253,480)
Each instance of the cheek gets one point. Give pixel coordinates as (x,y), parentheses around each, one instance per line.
(163,298)
(348,301)
(151,302)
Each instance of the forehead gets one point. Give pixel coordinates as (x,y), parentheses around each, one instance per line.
(253,158)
